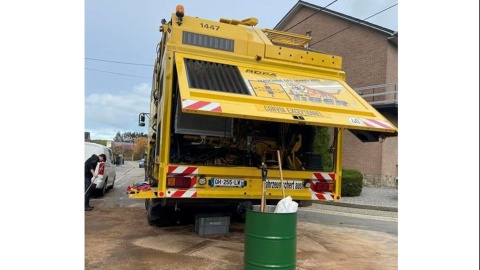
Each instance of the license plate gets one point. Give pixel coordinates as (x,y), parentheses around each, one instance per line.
(219,182)
(286,184)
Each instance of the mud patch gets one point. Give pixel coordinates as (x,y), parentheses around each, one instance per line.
(216,250)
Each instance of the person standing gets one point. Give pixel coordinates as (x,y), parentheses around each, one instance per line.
(90,165)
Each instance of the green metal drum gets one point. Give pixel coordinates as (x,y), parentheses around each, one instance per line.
(270,239)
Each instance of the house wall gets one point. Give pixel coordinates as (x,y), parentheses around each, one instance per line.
(363,50)
(368,59)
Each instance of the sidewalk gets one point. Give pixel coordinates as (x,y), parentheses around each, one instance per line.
(376,198)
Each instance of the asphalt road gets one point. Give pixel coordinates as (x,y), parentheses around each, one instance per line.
(372,220)
(117,236)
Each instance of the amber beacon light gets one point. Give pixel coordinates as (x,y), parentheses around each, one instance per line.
(180,11)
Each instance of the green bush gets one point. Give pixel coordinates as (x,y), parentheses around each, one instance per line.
(352,183)
(322,146)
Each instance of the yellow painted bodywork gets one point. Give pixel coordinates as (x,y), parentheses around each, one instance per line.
(252,190)
(287,84)
(295,92)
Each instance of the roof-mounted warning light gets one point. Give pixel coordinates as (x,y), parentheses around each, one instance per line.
(180,12)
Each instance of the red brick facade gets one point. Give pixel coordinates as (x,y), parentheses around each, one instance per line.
(369,58)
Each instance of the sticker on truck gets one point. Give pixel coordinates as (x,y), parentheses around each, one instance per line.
(286,184)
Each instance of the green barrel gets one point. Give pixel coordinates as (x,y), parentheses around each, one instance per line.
(270,239)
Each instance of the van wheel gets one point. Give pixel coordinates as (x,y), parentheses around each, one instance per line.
(104,188)
(113,183)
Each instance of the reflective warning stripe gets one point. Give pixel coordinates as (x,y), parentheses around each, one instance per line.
(182,170)
(181,193)
(376,123)
(201,105)
(324,178)
(324,196)
(187,171)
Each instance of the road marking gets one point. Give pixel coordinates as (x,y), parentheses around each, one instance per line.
(392,219)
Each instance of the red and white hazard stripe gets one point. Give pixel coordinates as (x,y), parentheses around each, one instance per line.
(182,170)
(322,177)
(325,196)
(199,105)
(181,193)
(190,171)
(376,123)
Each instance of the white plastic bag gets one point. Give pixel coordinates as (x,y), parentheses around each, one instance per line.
(286,205)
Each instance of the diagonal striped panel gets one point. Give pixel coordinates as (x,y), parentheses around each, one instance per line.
(182,170)
(323,177)
(201,105)
(325,196)
(376,123)
(181,193)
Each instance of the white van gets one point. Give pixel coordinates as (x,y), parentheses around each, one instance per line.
(105,170)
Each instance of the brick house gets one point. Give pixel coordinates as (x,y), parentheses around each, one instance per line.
(370,61)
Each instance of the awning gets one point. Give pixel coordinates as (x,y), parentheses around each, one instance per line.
(265,92)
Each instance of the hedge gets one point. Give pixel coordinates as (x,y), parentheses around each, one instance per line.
(352,183)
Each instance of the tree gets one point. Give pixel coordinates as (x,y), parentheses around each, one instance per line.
(128,136)
(118,137)
(136,139)
(140,147)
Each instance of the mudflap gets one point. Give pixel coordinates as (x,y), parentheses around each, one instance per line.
(159,214)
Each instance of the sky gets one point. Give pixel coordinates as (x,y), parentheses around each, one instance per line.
(127,31)
(47,100)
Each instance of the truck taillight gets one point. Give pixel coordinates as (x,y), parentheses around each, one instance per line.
(101,168)
(324,186)
(179,181)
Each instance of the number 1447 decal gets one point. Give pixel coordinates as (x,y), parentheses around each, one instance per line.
(210,26)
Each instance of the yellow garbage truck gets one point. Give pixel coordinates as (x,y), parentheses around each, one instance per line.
(234,111)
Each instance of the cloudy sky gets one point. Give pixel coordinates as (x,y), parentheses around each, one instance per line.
(127,31)
(49,99)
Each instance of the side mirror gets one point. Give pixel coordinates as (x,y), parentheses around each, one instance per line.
(141,119)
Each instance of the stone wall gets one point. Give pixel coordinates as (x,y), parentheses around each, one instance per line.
(378,180)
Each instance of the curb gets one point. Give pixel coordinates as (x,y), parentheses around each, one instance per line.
(352,205)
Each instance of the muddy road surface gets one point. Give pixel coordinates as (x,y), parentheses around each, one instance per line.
(117,236)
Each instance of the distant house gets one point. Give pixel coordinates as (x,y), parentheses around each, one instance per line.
(123,145)
(370,60)
(123,149)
